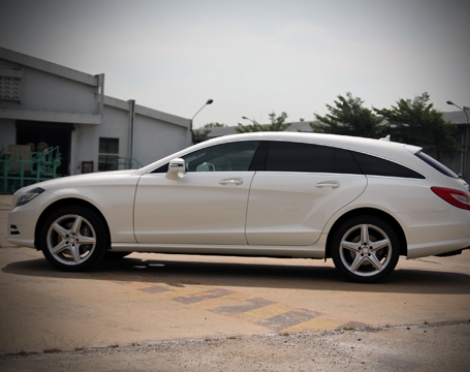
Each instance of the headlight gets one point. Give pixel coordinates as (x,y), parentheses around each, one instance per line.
(29,195)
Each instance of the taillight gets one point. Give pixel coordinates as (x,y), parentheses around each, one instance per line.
(457,198)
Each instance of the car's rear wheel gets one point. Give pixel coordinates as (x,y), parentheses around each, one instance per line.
(365,249)
(74,239)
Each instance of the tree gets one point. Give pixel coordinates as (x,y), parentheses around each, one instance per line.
(277,124)
(349,117)
(214,125)
(417,122)
(200,134)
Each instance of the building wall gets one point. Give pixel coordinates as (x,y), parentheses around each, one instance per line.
(43,91)
(7,133)
(85,138)
(154,140)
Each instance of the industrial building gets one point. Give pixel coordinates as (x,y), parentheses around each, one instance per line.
(56,121)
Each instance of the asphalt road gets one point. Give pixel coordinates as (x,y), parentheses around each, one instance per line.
(148,298)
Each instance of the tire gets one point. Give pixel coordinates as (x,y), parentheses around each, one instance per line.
(74,239)
(365,249)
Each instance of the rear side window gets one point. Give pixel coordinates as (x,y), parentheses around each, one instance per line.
(374,166)
(299,157)
(436,165)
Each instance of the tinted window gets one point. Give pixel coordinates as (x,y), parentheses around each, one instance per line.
(259,160)
(436,165)
(235,156)
(345,163)
(373,165)
(161,169)
(299,157)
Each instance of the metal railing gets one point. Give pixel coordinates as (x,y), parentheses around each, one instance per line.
(17,173)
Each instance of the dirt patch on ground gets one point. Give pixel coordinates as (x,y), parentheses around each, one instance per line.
(427,347)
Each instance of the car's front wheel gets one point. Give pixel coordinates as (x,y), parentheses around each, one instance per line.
(73,239)
(365,249)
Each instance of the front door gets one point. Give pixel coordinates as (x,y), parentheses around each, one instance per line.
(207,205)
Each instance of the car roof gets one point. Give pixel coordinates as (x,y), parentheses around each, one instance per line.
(361,144)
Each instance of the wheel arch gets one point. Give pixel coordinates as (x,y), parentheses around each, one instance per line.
(369,212)
(68,202)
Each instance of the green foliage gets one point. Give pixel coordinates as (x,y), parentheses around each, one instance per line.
(417,122)
(200,134)
(214,125)
(278,124)
(349,117)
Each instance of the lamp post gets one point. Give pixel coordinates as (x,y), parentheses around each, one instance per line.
(464,165)
(209,101)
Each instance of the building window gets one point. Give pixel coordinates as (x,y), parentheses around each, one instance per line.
(10,84)
(108,154)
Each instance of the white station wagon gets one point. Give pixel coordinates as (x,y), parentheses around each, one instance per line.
(361,202)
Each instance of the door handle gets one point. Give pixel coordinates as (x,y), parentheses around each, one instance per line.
(231,181)
(332,184)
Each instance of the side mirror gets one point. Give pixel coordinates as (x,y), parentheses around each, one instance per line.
(176,169)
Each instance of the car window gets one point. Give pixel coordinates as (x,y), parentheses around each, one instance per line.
(161,169)
(436,165)
(235,156)
(345,163)
(299,157)
(374,166)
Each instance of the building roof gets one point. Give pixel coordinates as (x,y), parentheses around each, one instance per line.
(81,77)
(49,67)
(456,117)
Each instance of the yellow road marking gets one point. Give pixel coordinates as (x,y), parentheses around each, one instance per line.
(320,323)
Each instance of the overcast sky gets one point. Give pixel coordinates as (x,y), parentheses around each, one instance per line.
(252,57)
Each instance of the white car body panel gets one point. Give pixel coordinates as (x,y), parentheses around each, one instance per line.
(198,208)
(316,251)
(293,209)
(99,189)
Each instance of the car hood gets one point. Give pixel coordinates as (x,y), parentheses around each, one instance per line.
(101,178)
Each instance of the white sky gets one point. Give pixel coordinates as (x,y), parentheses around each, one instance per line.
(252,57)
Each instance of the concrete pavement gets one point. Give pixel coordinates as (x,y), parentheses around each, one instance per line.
(148,297)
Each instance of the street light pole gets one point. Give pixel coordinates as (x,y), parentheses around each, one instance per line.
(464,109)
(209,101)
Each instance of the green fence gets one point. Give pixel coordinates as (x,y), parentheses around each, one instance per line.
(17,173)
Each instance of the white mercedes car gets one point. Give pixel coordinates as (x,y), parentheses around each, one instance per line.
(361,202)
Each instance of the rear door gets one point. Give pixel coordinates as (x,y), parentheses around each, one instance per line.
(302,186)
